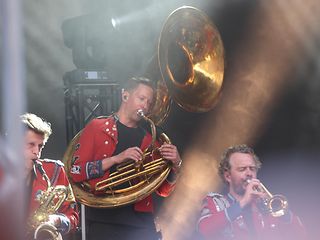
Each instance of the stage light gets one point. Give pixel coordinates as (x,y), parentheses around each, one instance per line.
(114,23)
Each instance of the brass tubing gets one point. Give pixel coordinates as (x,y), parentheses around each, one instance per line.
(110,183)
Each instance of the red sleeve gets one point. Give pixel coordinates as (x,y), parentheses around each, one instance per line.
(84,152)
(211,221)
(165,188)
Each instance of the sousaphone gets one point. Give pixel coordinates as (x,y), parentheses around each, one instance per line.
(189,70)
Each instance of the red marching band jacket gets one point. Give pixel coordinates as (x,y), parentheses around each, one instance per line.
(98,140)
(57,175)
(223,219)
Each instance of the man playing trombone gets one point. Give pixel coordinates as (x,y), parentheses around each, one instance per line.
(248,211)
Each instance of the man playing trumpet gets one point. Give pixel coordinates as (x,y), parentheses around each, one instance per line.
(40,175)
(246,211)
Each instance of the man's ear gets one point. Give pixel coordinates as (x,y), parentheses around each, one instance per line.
(227,176)
(125,96)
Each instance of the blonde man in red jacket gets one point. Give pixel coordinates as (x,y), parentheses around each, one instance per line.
(107,142)
(41,173)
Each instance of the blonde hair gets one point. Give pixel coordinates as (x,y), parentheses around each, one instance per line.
(36,124)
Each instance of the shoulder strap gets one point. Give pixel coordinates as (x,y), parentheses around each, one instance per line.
(57,169)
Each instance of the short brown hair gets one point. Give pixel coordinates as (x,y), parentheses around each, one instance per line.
(133,82)
(36,124)
(225,159)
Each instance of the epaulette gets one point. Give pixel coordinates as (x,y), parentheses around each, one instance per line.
(58,162)
(219,200)
(211,197)
(103,117)
(214,194)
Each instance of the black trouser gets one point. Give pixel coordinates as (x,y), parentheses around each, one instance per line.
(106,231)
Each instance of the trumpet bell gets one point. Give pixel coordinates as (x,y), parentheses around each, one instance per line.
(278,205)
(47,231)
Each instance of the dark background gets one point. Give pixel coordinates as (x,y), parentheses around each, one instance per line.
(285,135)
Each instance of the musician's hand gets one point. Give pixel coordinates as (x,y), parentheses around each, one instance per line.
(134,153)
(60,221)
(251,193)
(170,152)
(55,220)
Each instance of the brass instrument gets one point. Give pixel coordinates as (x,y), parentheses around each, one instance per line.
(143,172)
(277,205)
(190,35)
(50,201)
(189,67)
(131,181)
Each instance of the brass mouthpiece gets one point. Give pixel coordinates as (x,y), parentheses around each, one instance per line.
(140,113)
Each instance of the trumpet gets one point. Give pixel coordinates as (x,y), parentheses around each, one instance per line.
(275,204)
(50,201)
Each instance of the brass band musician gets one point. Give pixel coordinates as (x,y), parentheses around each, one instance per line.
(42,176)
(107,142)
(248,210)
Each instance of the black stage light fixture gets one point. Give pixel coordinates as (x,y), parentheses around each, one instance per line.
(101,42)
(88,36)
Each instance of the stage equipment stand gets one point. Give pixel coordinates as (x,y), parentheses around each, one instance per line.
(88,94)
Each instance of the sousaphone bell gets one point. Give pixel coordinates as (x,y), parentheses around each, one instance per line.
(190,64)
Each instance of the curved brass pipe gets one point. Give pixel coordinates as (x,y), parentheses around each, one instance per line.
(277,205)
(140,179)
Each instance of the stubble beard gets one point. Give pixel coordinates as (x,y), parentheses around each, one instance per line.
(240,189)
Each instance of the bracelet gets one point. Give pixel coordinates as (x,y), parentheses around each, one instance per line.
(177,165)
